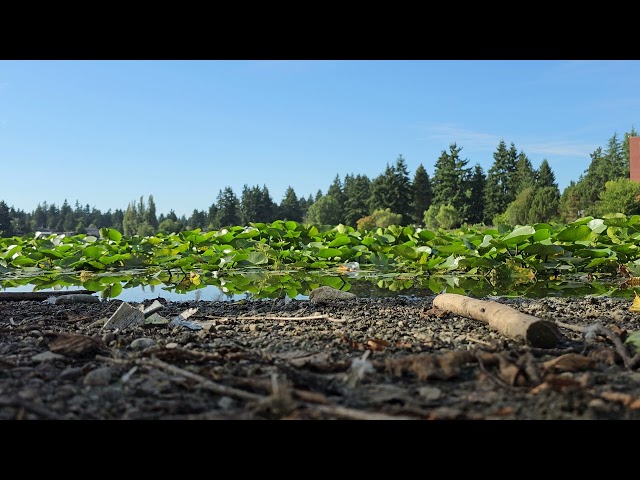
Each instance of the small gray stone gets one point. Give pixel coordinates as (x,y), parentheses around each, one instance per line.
(142,343)
(99,376)
(326,293)
(46,357)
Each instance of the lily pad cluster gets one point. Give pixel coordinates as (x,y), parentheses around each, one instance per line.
(287,257)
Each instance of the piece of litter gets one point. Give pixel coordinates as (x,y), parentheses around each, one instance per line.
(181,320)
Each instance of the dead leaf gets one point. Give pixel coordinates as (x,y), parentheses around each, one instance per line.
(570,362)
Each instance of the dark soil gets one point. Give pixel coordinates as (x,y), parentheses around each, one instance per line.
(365,358)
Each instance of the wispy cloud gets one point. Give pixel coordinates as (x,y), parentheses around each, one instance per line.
(476,141)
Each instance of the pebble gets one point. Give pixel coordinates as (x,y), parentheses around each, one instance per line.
(97,377)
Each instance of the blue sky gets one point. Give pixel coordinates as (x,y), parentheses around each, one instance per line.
(105,132)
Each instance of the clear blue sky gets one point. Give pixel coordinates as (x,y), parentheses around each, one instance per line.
(106,132)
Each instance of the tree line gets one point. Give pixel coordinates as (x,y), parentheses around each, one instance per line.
(510,192)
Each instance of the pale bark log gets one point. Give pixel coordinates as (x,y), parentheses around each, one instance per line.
(502,318)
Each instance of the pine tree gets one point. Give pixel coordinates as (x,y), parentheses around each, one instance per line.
(524,175)
(228,208)
(357,192)
(475,212)
(545,176)
(451,181)
(337,192)
(403,193)
(500,191)
(6,229)
(290,208)
(422,194)
(150,213)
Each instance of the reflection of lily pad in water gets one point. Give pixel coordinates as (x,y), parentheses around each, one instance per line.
(263,284)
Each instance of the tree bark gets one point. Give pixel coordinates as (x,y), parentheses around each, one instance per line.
(502,318)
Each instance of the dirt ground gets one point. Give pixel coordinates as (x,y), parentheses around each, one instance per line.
(356,359)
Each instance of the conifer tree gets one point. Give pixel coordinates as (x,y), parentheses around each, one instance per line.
(357,192)
(422,194)
(500,191)
(451,181)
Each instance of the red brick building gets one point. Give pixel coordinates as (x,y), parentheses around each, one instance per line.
(634,158)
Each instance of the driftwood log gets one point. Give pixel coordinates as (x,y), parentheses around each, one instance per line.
(508,321)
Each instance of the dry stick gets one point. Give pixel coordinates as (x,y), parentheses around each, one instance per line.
(233,392)
(205,382)
(506,320)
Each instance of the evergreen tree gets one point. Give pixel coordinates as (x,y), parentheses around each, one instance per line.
(250,204)
(524,175)
(451,181)
(228,208)
(592,182)
(6,229)
(618,162)
(392,190)
(544,205)
(475,212)
(403,191)
(625,148)
(382,187)
(422,194)
(290,208)
(130,220)
(267,212)
(150,214)
(357,192)
(499,190)
(212,217)
(337,192)
(117,219)
(545,176)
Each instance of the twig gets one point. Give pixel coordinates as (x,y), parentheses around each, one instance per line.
(204,382)
(575,328)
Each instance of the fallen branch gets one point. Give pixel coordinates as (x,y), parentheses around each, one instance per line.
(502,318)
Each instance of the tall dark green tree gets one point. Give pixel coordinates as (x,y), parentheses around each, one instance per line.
(337,192)
(392,190)
(150,216)
(545,176)
(357,191)
(289,208)
(524,175)
(477,184)
(451,181)
(6,229)
(422,194)
(228,208)
(500,190)
(382,190)
(404,192)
